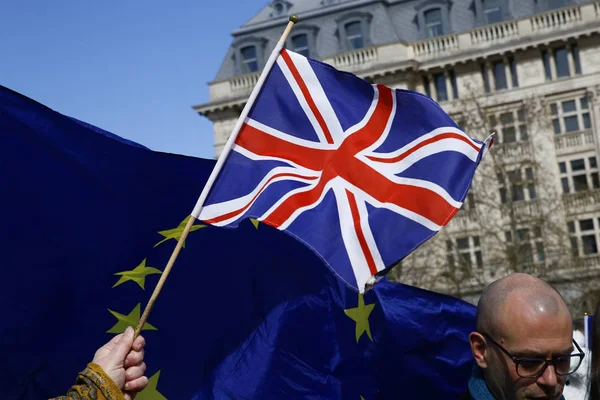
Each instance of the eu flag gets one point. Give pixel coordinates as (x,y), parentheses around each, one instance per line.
(89,221)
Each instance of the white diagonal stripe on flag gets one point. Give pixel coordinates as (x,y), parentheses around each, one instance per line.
(319,96)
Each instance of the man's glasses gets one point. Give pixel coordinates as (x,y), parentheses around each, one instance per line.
(531,367)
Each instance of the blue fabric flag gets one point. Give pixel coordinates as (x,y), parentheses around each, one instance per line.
(89,221)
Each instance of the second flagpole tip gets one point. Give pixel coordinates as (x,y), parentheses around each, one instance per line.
(294,18)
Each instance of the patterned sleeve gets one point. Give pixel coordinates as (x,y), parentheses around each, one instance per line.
(93,384)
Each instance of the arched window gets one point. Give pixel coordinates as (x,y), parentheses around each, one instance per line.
(249,54)
(492,11)
(433,18)
(249,59)
(300,44)
(354,30)
(434,25)
(354,35)
(280,8)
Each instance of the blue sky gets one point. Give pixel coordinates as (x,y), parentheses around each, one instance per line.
(131,67)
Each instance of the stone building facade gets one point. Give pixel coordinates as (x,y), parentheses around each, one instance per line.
(526,69)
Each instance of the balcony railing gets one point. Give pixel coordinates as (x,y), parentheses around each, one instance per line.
(582,202)
(356,59)
(574,142)
(435,46)
(495,33)
(244,83)
(463,221)
(515,150)
(556,19)
(521,209)
(587,262)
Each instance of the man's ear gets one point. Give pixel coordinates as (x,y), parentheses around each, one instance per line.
(479,349)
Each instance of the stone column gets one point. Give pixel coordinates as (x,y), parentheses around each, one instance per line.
(507,71)
(491,80)
(432,87)
(448,83)
(571,59)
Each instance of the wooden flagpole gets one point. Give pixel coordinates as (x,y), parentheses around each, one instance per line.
(216,170)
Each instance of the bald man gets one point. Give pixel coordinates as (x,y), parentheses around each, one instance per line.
(523,346)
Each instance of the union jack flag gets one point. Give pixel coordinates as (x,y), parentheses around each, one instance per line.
(360,173)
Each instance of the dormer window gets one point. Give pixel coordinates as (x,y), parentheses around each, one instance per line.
(354,30)
(304,40)
(491,11)
(433,18)
(300,44)
(280,8)
(543,5)
(433,22)
(249,54)
(354,36)
(249,59)
(557,3)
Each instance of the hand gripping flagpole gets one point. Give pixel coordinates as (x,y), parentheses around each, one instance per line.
(217,169)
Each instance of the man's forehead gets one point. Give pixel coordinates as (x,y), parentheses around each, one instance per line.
(534,328)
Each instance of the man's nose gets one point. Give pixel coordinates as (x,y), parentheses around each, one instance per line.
(549,377)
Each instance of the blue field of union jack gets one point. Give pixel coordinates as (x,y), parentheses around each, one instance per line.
(361,173)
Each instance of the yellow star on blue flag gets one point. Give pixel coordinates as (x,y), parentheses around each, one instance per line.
(175,233)
(131,319)
(138,274)
(360,315)
(150,392)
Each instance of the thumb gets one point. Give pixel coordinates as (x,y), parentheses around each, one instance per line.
(123,346)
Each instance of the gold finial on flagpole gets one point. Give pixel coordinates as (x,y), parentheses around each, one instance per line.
(294,18)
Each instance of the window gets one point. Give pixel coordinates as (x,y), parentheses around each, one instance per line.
(571,115)
(579,174)
(511,124)
(556,3)
(500,76)
(443,84)
(433,22)
(279,8)
(248,55)
(469,203)
(584,236)
(354,35)
(467,250)
(517,185)
(353,30)
(492,11)
(249,59)
(561,61)
(527,244)
(300,44)
(440,87)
